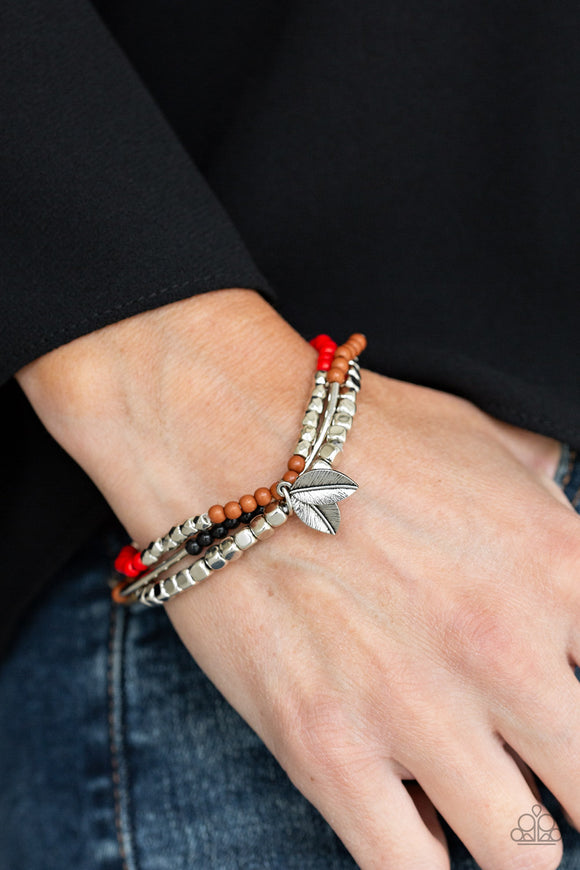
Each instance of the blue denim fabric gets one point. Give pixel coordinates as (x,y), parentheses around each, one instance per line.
(116,752)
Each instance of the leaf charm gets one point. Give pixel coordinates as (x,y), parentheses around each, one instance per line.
(314,495)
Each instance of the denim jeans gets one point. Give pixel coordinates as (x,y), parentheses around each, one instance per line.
(117,753)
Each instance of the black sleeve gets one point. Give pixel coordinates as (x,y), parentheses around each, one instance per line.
(104,213)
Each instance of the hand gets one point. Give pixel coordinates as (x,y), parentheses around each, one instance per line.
(436,631)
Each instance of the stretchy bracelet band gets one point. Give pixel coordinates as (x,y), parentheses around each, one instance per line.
(309,488)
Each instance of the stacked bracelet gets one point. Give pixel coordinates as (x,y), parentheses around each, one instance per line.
(309,488)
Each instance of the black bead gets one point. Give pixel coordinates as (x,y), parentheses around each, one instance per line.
(259,510)
(246,517)
(219,531)
(229,523)
(204,539)
(193,546)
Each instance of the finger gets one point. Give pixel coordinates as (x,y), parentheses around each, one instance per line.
(376,818)
(550,745)
(525,771)
(479,789)
(426,810)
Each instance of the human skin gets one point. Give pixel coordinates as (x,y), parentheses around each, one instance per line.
(432,640)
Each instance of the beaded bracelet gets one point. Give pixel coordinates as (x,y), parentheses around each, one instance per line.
(310,494)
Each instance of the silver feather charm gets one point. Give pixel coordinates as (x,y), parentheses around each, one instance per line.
(314,494)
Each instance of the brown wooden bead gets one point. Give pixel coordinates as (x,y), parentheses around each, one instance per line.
(263,496)
(340,363)
(274,491)
(344,350)
(359,340)
(216,513)
(296,463)
(335,376)
(248,503)
(290,476)
(232,510)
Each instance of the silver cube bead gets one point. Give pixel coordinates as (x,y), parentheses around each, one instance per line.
(308,434)
(344,420)
(156,548)
(202,522)
(319,392)
(168,543)
(188,527)
(316,405)
(230,550)
(320,377)
(302,449)
(275,515)
(352,384)
(328,452)
(148,558)
(261,528)
(214,559)
(311,419)
(177,536)
(336,433)
(183,579)
(160,593)
(346,406)
(245,538)
(346,393)
(168,587)
(199,571)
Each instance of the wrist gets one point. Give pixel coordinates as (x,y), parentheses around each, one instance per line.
(193,403)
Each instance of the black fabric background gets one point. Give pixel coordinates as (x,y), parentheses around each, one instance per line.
(408,169)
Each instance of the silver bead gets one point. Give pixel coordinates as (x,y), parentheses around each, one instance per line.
(183,579)
(275,515)
(308,434)
(310,419)
(169,586)
(316,405)
(160,592)
(346,406)
(352,384)
(261,528)
(336,433)
(319,392)
(230,550)
(214,559)
(302,449)
(156,548)
(148,597)
(188,527)
(148,558)
(199,571)
(168,543)
(177,536)
(344,420)
(245,538)
(203,522)
(346,393)
(320,377)
(329,452)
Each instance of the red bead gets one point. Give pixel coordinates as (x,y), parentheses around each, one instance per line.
(137,564)
(320,341)
(124,559)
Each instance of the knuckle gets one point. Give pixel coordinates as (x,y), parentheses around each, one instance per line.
(483,640)
(315,735)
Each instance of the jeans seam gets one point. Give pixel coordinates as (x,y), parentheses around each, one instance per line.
(119,772)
